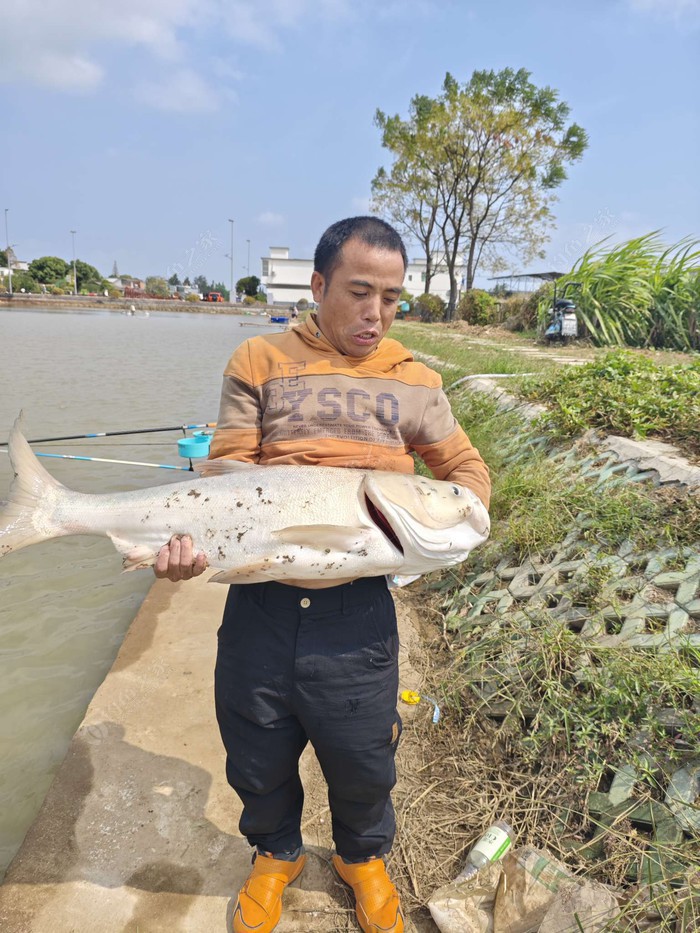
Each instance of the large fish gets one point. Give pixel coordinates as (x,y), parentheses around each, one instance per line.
(257,523)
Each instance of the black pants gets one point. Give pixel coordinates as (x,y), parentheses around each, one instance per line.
(298,665)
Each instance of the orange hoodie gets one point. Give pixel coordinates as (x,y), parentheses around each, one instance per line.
(294,398)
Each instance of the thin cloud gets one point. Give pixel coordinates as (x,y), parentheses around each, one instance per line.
(668,9)
(182,92)
(362,205)
(270,219)
(66,44)
(59,42)
(67,71)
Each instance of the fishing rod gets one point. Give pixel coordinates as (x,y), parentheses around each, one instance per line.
(76,437)
(160,466)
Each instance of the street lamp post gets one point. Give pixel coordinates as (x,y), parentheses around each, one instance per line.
(230,297)
(9,260)
(75,274)
(248,266)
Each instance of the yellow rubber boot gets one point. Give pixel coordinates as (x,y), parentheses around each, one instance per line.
(259,904)
(376,900)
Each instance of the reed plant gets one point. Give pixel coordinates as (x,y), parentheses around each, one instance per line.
(640,293)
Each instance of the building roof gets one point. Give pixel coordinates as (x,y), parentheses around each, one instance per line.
(544,276)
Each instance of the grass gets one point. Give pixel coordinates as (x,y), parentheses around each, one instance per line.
(623,393)
(641,293)
(536,713)
(454,355)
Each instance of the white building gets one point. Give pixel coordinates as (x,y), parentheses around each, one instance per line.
(287,280)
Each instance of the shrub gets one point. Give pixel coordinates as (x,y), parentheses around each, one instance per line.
(191,296)
(56,290)
(302,304)
(261,298)
(477,307)
(519,312)
(249,300)
(430,307)
(23,280)
(623,393)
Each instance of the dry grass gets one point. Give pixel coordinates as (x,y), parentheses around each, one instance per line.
(459,776)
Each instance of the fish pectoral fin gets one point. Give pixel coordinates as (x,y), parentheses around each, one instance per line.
(134,556)
(251,573)
(321,537)
(219,467)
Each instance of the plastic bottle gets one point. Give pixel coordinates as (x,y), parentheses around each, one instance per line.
(489,848)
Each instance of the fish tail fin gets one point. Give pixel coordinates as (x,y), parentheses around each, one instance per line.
(26,517)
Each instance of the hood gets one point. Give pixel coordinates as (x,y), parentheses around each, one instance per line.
(387,354)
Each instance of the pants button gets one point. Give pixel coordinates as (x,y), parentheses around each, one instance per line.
(305,602)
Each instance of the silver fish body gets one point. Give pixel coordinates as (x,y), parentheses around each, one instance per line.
(257,523)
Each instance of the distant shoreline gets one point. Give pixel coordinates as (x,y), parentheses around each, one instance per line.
(100,303)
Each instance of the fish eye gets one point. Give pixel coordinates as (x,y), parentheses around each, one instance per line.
(457,490)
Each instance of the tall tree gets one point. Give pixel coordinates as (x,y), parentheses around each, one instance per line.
(249,285)
(174,280)
(48,269)
(486,157)
(157,286)
(88,276)
(407,195)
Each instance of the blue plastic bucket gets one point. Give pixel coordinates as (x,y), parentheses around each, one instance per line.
(193,446)
(204,437)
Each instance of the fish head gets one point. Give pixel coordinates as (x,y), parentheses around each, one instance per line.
(431,522)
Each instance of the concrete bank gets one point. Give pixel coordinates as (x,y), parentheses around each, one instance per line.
(100,303)
(139,830)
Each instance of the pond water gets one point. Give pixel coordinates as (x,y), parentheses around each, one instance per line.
(64,604)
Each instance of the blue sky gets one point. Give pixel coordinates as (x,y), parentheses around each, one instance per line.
(145,129)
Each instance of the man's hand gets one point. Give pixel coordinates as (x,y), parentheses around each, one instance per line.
(176,561)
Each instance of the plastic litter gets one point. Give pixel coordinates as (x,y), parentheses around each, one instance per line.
(413,699)
(489,848)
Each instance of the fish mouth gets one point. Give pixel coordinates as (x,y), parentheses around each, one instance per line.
(382,523)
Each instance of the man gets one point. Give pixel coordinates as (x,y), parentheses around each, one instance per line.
(316,661)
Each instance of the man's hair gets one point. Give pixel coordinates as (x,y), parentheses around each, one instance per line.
(370,230)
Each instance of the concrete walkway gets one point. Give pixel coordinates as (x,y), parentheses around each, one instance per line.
(138,833)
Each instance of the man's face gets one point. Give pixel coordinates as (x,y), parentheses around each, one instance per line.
(358,305)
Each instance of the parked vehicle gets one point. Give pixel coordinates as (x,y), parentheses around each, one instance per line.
(563,321)
(214,296)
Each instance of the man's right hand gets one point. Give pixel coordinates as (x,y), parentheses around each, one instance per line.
(176,560)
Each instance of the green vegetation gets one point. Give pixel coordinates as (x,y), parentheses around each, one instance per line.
(454,355)
(430,307)
(23,280)
(477,307)
(89,279)
(249,285)
(519,312)
(50,270)
(623,393)
(157,287)
(474,170)
(640,294)
(539,710)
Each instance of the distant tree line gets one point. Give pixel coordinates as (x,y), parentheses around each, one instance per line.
(55,275)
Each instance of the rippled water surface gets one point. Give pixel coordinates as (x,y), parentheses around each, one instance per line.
(64,604)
